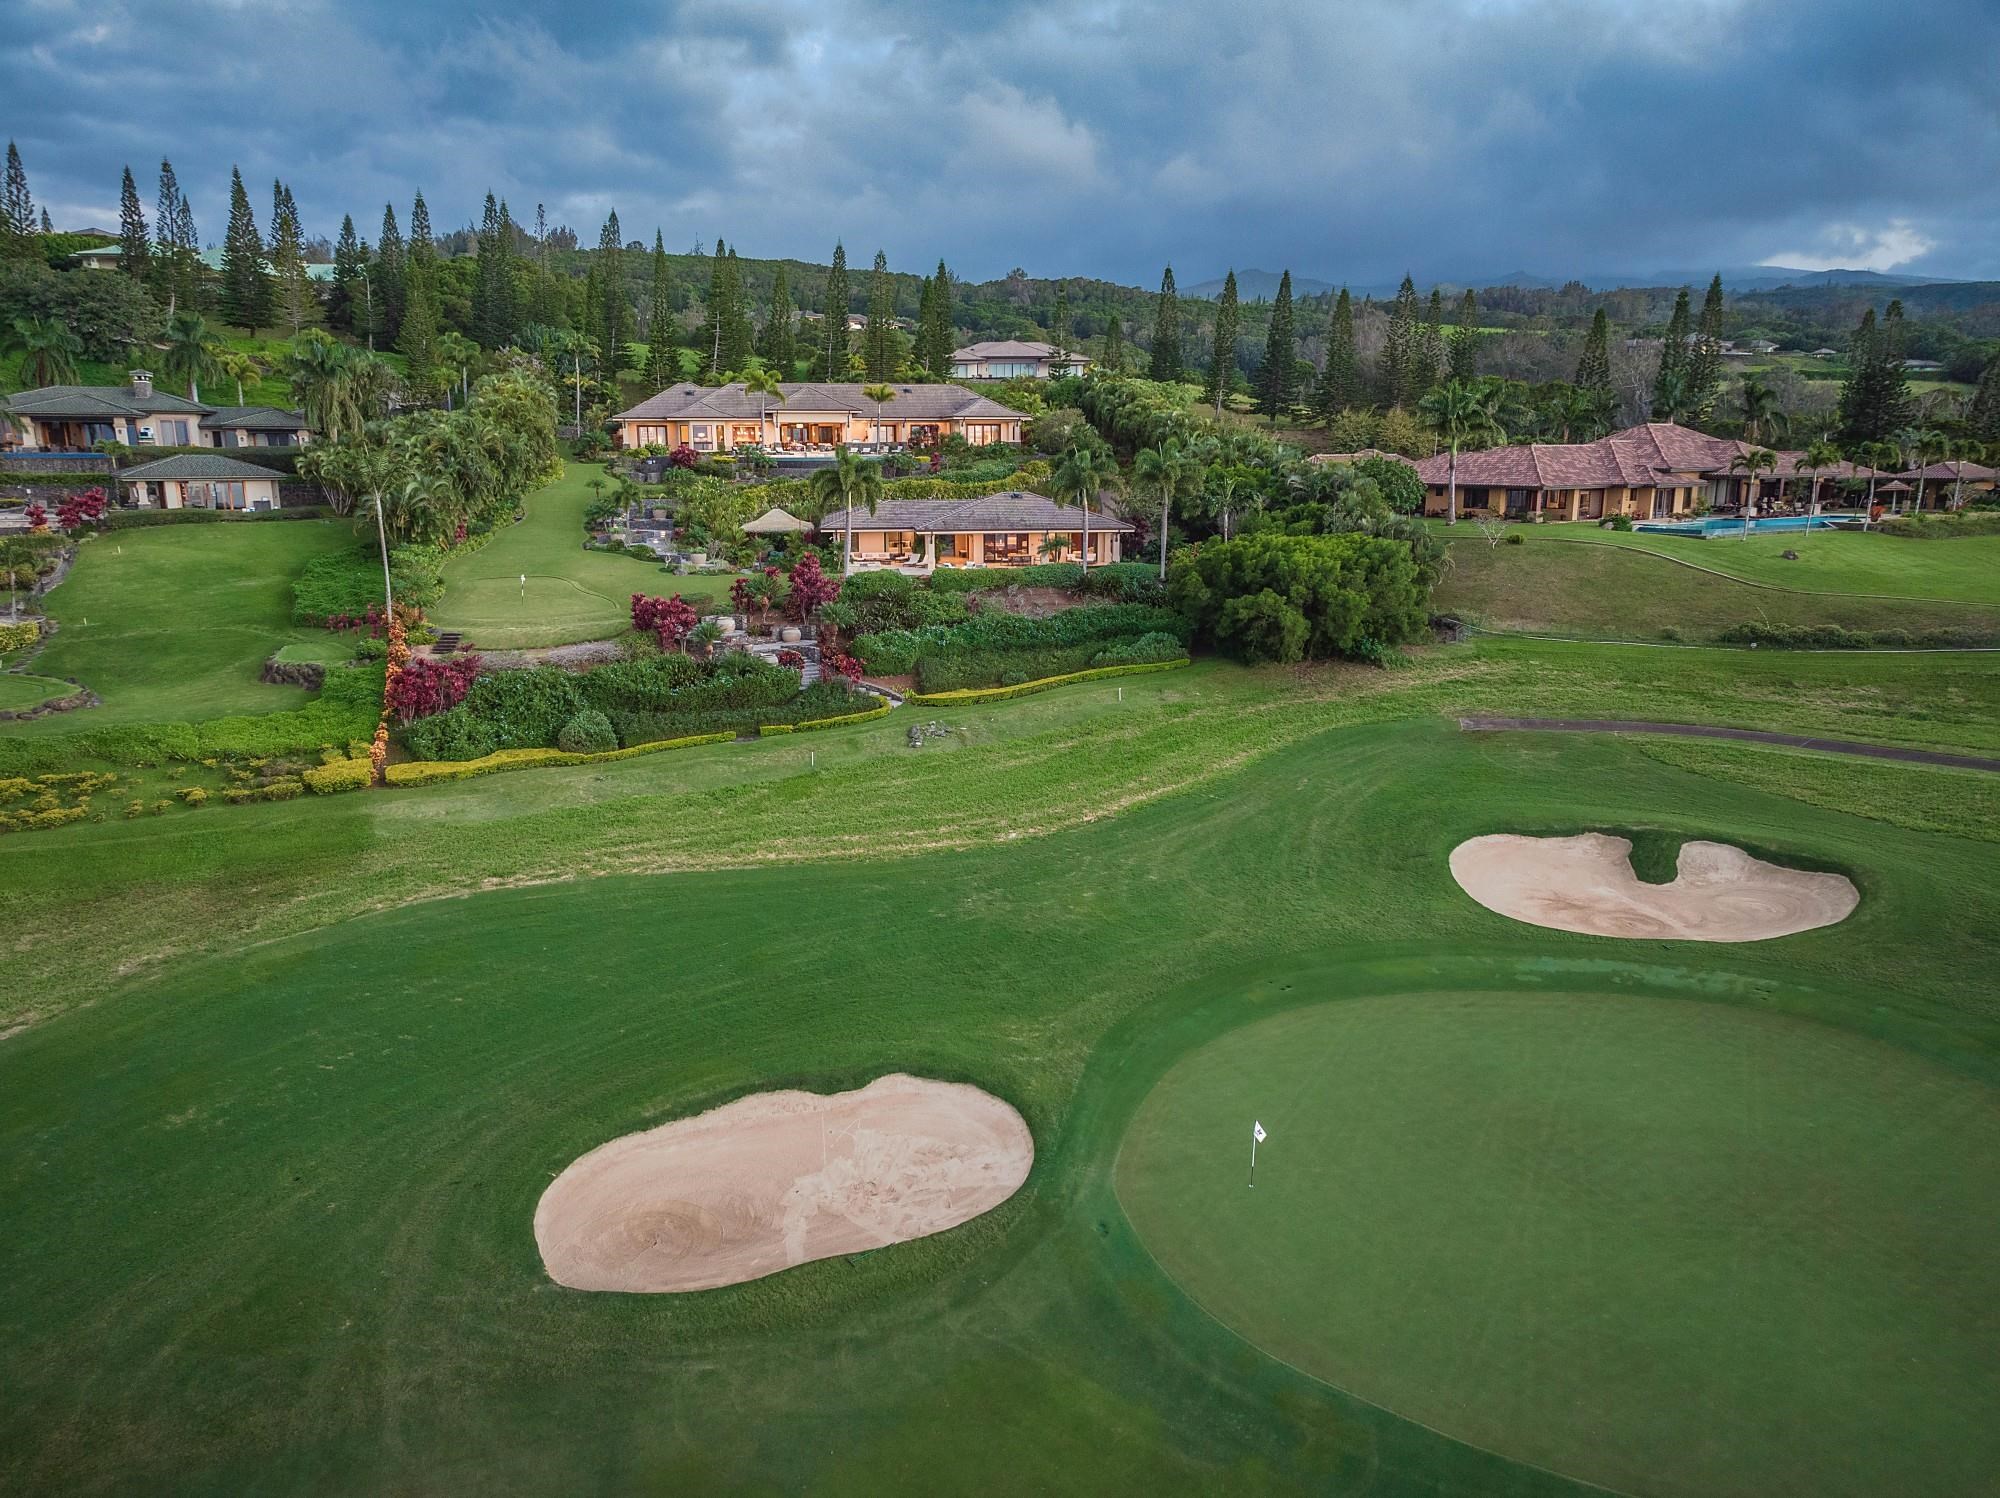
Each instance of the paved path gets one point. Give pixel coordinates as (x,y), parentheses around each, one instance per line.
(1744,735)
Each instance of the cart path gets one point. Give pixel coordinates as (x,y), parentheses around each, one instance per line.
(1483,724)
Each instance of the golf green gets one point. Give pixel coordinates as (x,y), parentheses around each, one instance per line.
(1657,1245)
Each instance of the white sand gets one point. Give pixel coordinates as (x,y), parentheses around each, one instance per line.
(1586,884)
(778,1179)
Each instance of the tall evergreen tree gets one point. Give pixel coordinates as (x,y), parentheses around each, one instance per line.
(292,290)
(663,365)
(493,310)
(614,319)
(936,333)
(1430,346)
(48,227)
(135,249)
(1222,355)
(832,356)
(423,245)
(1670,388)
(1399,353)
(1982,418)
(1166,364)
(1278,375)
(392,270)
(1875,399)
(1704,370)
(417,340)
(1340,381)
(347,302)
(1463,357)
(878,338)
(781,341)
(17,210)
(1114,345)
(246,284)
(1059,323)
(176,270)
(1593,369)
(715,312)
(739,333)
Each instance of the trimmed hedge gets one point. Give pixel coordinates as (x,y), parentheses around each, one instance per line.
(901,652)
(138,520)
(19,636)
(339,775)
(432,772)
(812,725)
(999,694)
(982,579)
(1837,637)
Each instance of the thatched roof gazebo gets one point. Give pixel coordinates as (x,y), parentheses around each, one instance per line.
(776,522)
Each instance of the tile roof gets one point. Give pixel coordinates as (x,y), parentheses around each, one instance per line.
(732,403)
(196,466)
(1015,510)
(256,419)
(1974,472)
(100,400)
(1609,463)
(1006,348)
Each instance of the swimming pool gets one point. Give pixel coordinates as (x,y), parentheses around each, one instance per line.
(1731,525)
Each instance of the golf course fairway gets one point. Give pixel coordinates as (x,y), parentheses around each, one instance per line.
(1652,1244)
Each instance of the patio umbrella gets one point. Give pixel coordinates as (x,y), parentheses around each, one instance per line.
(776,523)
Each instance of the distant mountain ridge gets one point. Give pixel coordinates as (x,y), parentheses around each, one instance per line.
(1253,285)
(1260,285)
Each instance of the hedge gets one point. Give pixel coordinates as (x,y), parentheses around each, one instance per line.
(132,520)
(19,636)
(431,772)
(339,775)
(998,694)
(766,730)
(1035,575)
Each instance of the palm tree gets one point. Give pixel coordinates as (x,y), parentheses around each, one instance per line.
(1760,406)
(762,383)
(1815,460)
(1917,444)
(881,395)
(847,482)
(1465,414)
(47,348)
(321,374)
(456,351)
(240,365)
(1757,460)
(1168,470)
(1055,544)
(19,564)
(191,352)
(1083,472)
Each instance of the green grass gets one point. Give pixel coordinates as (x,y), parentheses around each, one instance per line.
(301,1170)
(571,594)
(1548,585)
(18,692)
(174,623)
(1966,570)
(1660,1246)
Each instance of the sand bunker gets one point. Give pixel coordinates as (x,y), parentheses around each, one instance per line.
(777,1179)
(1586,884)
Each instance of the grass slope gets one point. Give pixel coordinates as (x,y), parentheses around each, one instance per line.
(571,594)
(1621,592)
(302,1174)
(1965,569)
(173,623)
(19,691)
(1587,1231)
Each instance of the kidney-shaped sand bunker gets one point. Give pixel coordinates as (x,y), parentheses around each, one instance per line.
(1586,884)
(777,1179)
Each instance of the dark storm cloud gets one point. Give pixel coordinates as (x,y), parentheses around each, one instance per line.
(1449,137)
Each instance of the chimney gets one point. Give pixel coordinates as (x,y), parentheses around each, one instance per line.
(142,383)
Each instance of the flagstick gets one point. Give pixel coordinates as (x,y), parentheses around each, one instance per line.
(1253,1162)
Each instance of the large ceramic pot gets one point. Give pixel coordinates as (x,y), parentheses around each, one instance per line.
(789,635)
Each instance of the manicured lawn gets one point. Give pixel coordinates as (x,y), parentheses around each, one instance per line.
(1966,569)
(1664,1246)
(173,623)
(571,594)
(17,692)
(1550,585)
(269,1210)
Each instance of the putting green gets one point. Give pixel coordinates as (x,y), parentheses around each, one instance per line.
(1662,1246)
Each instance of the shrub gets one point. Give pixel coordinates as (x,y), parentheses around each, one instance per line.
(1145,650)
(193,795)
(1134,582)
(457,735)
(19,636)
(426,773)
(345,584)
(589,732)
(1515,538)
(1289,598)
(1618,523)
(426,685)
(339,775)
(1836,637)
(286,788)
(1023,689)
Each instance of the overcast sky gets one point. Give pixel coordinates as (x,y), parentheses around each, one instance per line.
(1451,138)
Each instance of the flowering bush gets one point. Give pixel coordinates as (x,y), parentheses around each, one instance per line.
(684,457)
(669,618)
(791,660)
(811,588)
(37,515)
(82,509)
(427,686)
(842,664)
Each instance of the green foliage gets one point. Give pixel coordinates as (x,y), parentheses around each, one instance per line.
(337,775)
(424,772)
(1290,598)
(589,732)
(1402,490)
(1837,637)
(968,696)
(347,583)
(1158,646)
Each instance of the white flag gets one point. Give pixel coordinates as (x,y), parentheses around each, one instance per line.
(1257,1132)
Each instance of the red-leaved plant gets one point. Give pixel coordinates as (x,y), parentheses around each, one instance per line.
(82,509)
(841,664)
(37,516)
(683,456)
(668,618)
(791,660)
(426,686)
(810,589)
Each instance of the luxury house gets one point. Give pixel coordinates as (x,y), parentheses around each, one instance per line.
(813,418)
(1650,472)
(1000,530)
(76,418)
(199,481)
(1012,359)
